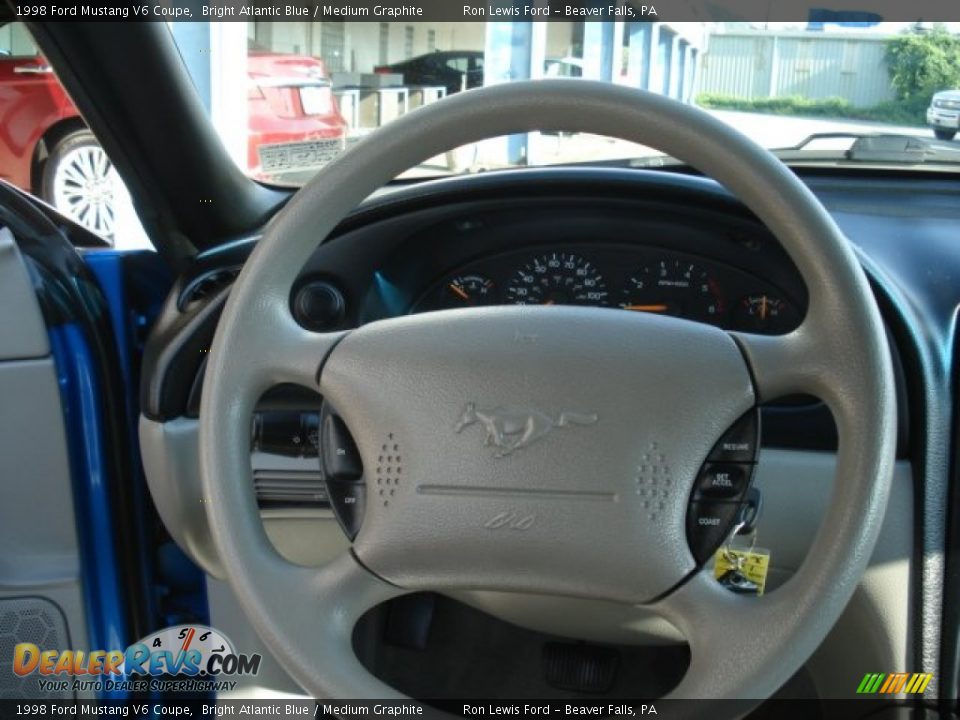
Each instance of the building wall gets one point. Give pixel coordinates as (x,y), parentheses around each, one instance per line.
(356,46)
(361,46)
(751,65)
(15,40)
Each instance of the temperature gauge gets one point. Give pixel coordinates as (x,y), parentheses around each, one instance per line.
(764,313)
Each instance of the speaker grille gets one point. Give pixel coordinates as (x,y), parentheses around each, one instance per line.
(29,620)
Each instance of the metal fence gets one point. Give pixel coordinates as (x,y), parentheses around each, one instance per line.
(768,64)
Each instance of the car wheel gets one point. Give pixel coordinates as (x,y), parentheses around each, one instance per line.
(79,180)
(944,134)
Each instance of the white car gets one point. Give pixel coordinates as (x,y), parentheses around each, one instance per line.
(943,115)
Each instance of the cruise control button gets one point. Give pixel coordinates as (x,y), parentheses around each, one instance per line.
(726,480)
(708,524)
(348,500)
(340,457)
(739,443)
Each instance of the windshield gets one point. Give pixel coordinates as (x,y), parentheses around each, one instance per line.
(289,96)
(299,93)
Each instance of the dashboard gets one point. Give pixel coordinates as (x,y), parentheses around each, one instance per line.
(629,277)
(619,241)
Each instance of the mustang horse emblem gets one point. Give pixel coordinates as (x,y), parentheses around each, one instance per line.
(510,429)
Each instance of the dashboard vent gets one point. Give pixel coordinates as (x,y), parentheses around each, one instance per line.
(206,286)
(289,488)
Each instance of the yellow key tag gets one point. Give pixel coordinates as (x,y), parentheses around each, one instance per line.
(743,571)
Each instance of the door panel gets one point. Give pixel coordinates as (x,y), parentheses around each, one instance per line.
(41,594)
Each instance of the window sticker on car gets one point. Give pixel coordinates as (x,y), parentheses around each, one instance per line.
(298,156)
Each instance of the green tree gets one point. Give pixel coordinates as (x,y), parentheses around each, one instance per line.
(921,63)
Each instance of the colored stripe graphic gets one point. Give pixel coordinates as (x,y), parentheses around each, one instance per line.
(897,686)
(894,683)
(870,683)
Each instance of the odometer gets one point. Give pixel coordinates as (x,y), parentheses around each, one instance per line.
(557,278)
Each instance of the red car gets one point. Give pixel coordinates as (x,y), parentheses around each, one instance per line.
(45,147)
(294,120)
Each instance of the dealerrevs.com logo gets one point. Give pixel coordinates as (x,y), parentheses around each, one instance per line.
(186,658)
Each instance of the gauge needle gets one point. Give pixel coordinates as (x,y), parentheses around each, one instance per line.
(646,308)
(459,292)
(763,308)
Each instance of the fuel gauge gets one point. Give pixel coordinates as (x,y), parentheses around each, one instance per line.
(468,291)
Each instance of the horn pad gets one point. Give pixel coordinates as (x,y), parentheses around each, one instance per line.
(536,449)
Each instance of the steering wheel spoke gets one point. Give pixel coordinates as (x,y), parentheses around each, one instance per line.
(784,364)
(298,355)
(281,352)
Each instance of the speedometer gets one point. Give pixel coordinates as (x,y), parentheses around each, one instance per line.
(557,278)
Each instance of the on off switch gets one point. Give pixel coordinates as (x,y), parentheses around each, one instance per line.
(348,500)
(341,461)
(343,472)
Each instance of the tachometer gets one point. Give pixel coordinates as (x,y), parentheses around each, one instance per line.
(674,287)
(557,278)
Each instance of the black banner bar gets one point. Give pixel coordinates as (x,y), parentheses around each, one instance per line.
(763,11)
(436,709)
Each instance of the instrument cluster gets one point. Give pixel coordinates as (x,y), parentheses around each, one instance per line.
(632,278)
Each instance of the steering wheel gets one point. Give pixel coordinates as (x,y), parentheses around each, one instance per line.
(560,513)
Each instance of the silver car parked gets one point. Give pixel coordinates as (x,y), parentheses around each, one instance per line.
(943,115)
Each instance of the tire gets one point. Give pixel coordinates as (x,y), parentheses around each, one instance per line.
(78,179)
(944,134)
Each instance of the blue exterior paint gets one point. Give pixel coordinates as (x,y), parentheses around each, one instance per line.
(174,588)
(107,267)
(80,396)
